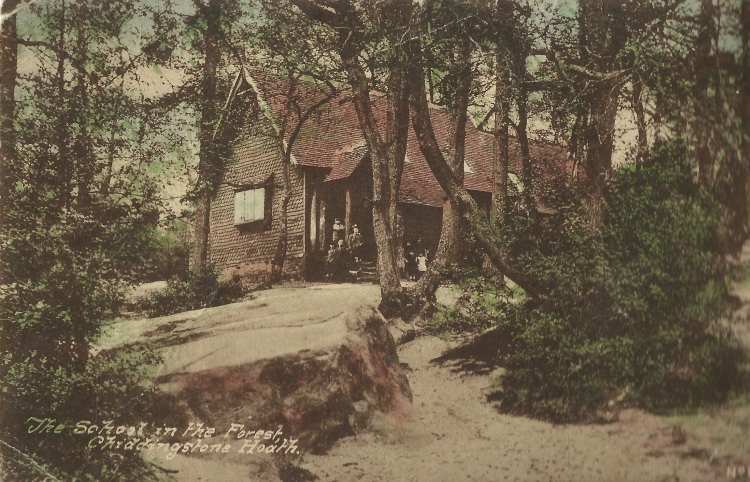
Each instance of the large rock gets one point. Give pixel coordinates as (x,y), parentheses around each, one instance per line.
(317,362)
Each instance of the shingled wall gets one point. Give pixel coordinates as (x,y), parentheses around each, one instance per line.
(248,250)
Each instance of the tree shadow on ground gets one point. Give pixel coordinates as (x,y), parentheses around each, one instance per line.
(480,356)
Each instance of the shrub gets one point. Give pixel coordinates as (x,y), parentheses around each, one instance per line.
(112,386)
(482,301)
(630,305)
(62,274)
(196,289)
(166,254)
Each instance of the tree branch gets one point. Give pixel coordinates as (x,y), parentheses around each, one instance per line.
(39,43)
(323,14)
(461,198)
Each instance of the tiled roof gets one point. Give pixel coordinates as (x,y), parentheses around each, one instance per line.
(333,139)
(347,162)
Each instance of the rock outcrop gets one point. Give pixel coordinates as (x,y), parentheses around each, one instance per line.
(316,395)
(318,373)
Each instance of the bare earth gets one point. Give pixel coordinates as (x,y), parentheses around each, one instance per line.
(454,433)
(457,435)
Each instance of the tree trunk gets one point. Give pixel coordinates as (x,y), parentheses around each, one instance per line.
(640,122)
(600,143)
(387,163)
(740,204)
(602,35)
(468,208)
(703,74)
(65,164)
(207,171)
(501,138)
(522,132)
(450,232)
(745,105)
(8,74)
(202,224)
(397,129)
(277,266)
(111,149)
(83,148)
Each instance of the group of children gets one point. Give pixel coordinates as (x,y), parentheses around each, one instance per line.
(342,252)
(416,258)
(345,253)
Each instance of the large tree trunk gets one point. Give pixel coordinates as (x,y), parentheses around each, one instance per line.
(8,74)
(449,246)
(466,205)
(386,166)
(207,156)
(600,142)
(602,35)
(501,138)
(397,128)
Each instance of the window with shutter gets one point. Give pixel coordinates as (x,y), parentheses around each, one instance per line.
(249,205)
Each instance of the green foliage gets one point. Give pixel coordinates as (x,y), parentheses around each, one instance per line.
(482,300)
(166,254)
(112,386)
(63,273)
(87,174)
(196,289)
(630,306)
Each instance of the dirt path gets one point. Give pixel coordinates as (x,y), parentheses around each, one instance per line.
(457,435)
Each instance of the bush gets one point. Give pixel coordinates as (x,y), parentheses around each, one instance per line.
(166,254)
(630,305)
(482,301)
(112,386)
(196,289)
(62,274)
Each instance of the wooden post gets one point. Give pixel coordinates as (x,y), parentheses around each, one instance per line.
(348,211)
(400,237)
(322,225)
(314,218)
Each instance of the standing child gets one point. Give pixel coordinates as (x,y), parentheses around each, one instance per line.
(330,262)
(410,262)
(421,264)
(355,243)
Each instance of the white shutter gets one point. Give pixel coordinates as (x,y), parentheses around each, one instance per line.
(249,205)
(258,203)
(239,207)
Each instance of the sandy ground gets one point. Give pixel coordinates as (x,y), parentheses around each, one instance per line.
(455,433)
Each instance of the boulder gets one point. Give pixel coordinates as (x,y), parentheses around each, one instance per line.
(319,377)
(316,395)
